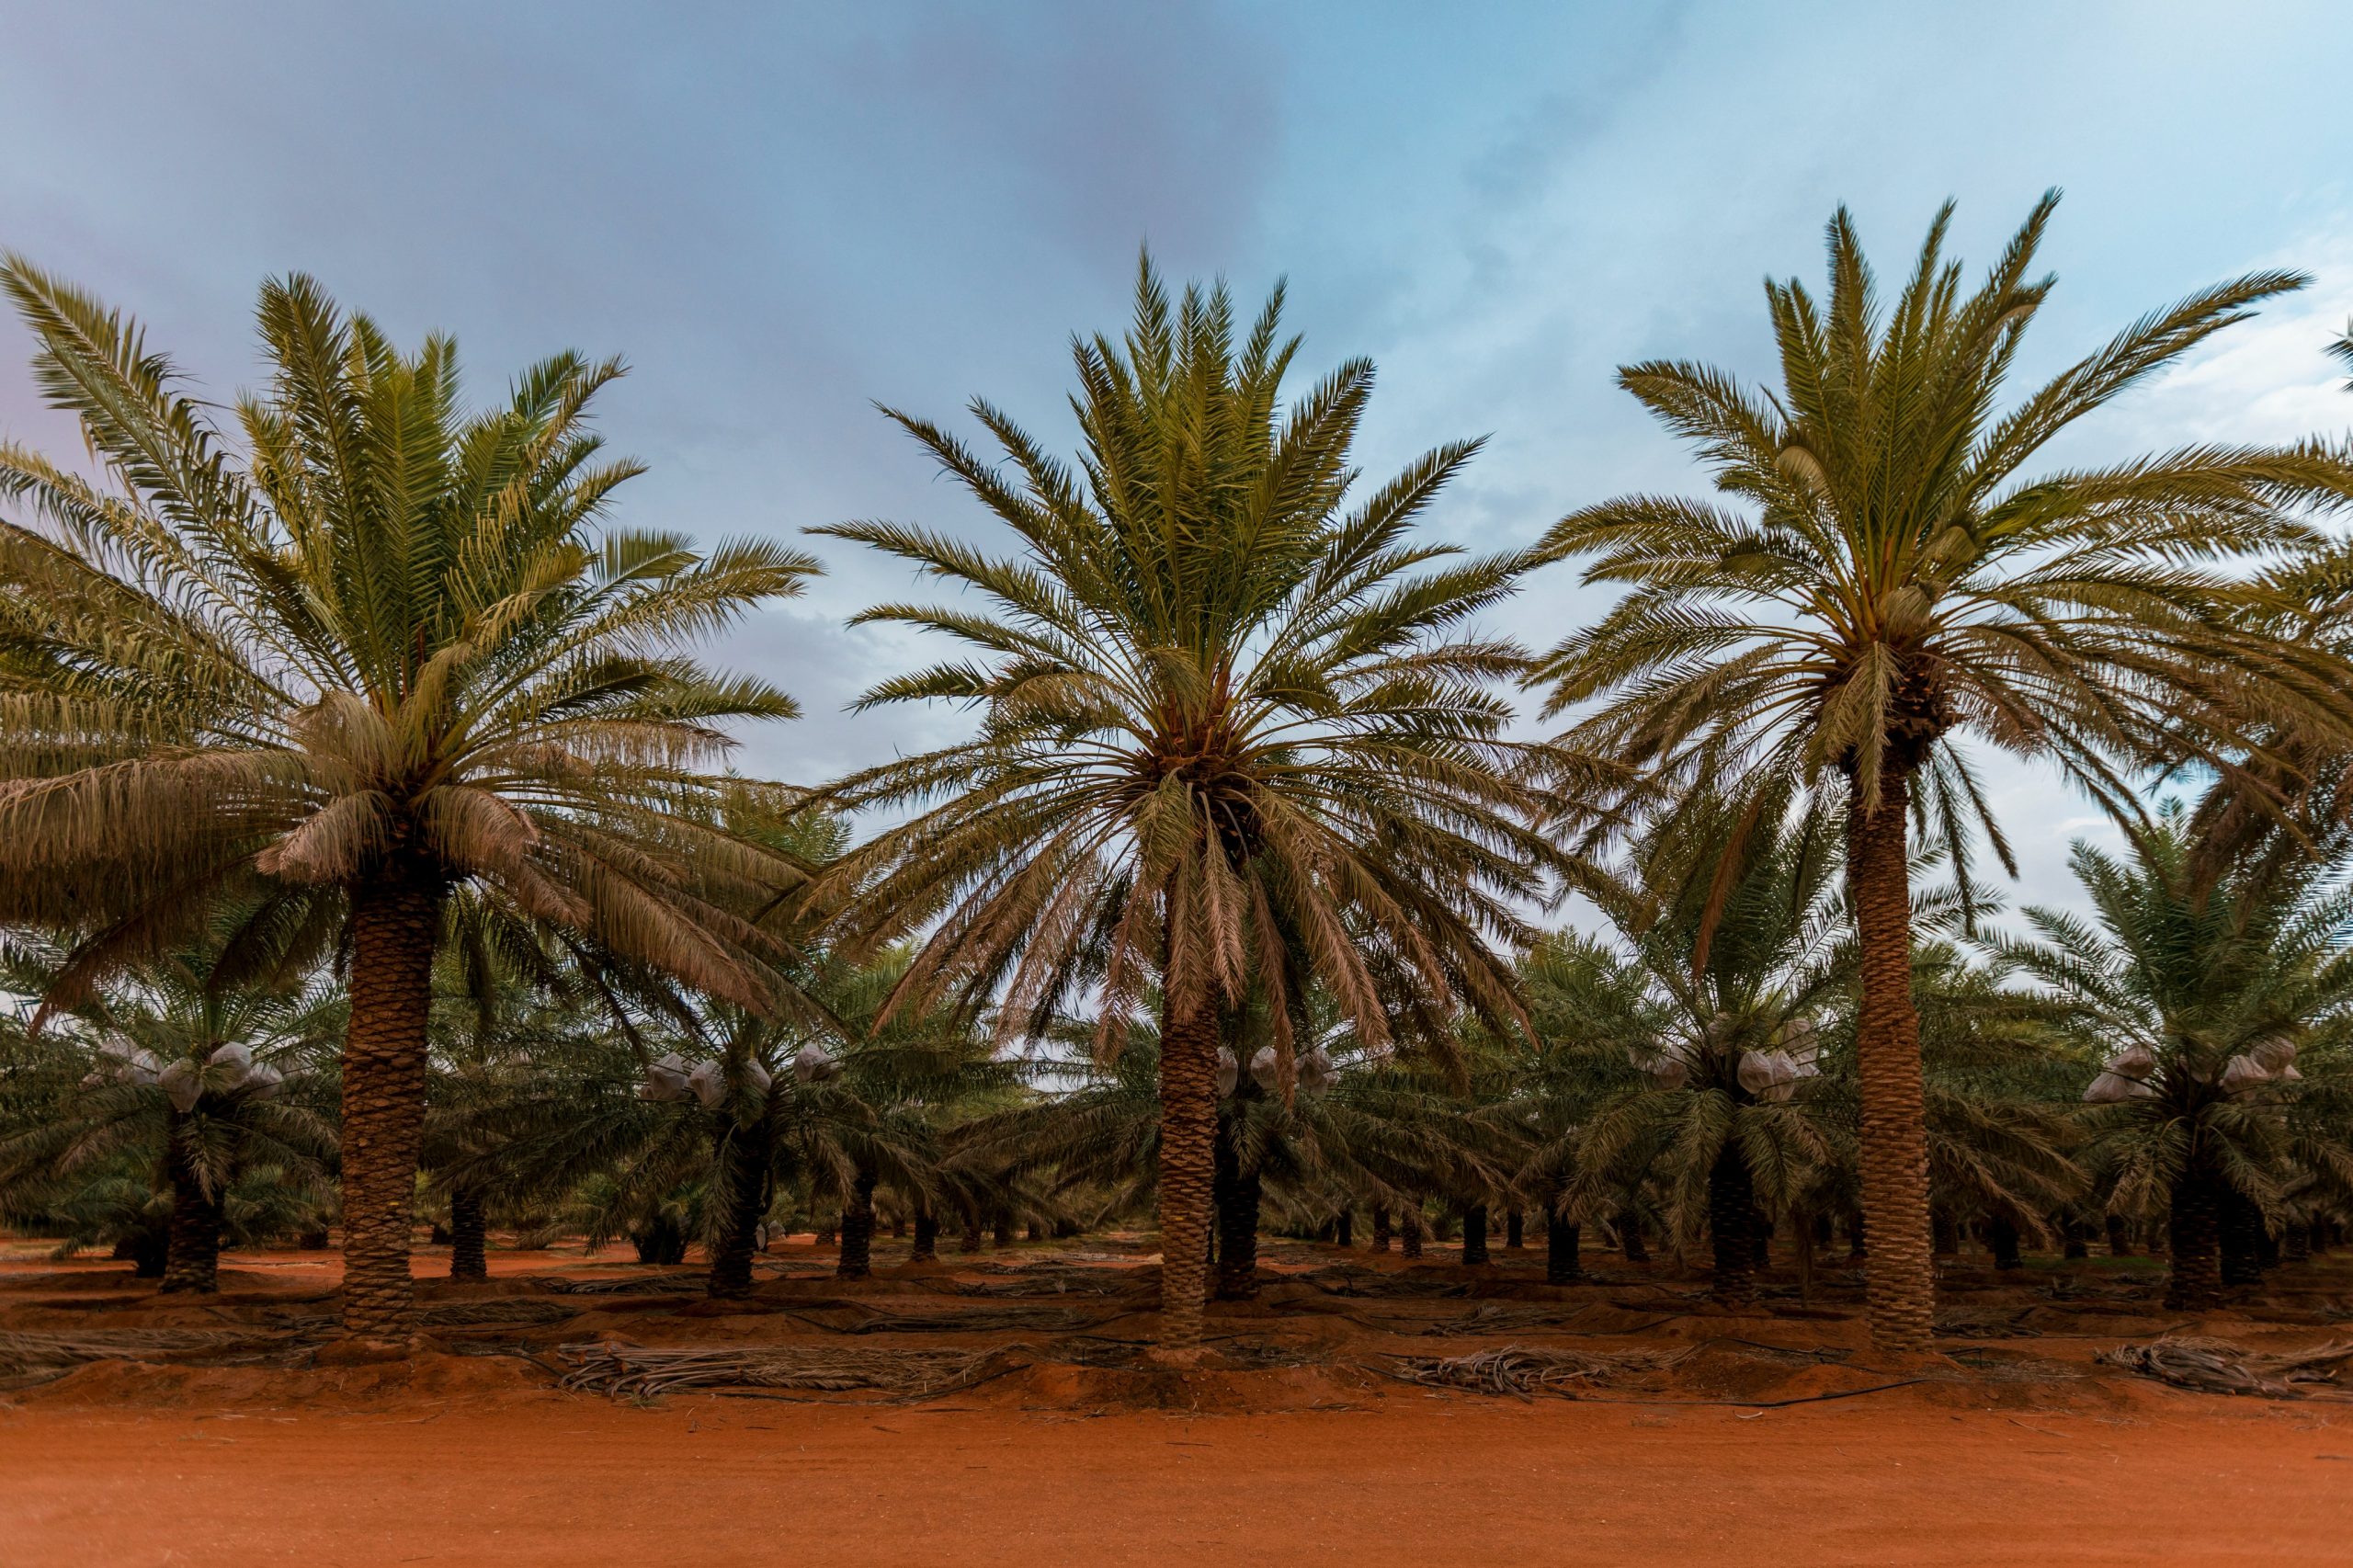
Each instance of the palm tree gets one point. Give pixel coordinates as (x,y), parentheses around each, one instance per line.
(186,1078)
(1232,734)
(1731,965)
(1887,582)
(375,649)
(2207,994)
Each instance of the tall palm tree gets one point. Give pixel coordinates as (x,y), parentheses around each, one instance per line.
(365,650)
(1886,582)
(1227,717)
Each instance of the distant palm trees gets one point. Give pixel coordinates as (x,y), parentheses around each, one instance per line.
(1237,730)
(1883,583)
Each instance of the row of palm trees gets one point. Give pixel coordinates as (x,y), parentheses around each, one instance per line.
(354,678)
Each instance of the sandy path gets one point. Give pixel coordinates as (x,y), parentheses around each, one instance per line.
(543,1481)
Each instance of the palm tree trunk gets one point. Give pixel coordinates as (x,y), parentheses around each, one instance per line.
(1900,1282)
(192,1253)
(1001,1228)
(2194,1281)
(1474,1235)
(2002,1236)
(469,1235)
(1562,1265)
(394,921)
(1630,1237)
(1380,1227)
(1515,1237)
(2075,1239)
(2120,1240)
(969,1240)
(743,1198)
(1238,1195)
(1344,1228)
(2242,1239)
(1187,1169)
(1409,1228)
(927,1245)
(1732,1228)
(856,1260)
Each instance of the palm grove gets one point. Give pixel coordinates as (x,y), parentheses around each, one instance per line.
(370,854)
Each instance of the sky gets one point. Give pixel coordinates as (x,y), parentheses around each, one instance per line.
(782,215)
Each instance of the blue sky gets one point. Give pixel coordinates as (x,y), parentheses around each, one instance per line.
(781,215)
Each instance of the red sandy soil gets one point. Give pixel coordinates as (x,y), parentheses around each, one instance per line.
(474,1460)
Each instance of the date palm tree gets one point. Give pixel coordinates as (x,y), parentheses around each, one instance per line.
(2212,996)
(358,651)
(1885,580)
(1229,713)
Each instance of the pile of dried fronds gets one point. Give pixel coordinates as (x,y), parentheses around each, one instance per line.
(1523,1372)
(2216,1365)
(647,1371)
(627,1285)
(37,1357)
(505,1309)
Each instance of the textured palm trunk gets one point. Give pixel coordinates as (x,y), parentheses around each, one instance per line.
(2194,1281)
(1409,1231)
(469,1236)
(2296,1244)
(1001,1228)
(1344,1228)
(1732,1228)
(1380,1227)
(856,1260)
(1238,1195)
(1899,1282)
(2075,1240)
(192,1252)
(969,1239)
(1474,1235)
(2120,1240)
(1562,1264)
(926,1243)
(743,1198)
(1515,1234)
(394,921)
(1187,1170)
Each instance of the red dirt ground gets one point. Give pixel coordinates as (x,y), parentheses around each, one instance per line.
(473,1459)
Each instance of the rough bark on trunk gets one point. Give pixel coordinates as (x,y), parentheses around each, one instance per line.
(1001,1228)
(856,1260)
(1380,1227)
(2120,1240)
(1515,1235)
(394,923)
(926,1244)
(1562,1264)
(1732,1228)
(1344,1228)
(1409,1229)
(742,1197)
(1474,1235)
(192,1250)
(2296,1244)
(1238,1196)
(1900,1282)
(2194,1282)
(969,1239)
(1187,1169)
(469,1236)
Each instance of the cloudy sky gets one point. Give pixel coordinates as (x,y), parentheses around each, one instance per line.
(781,215)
